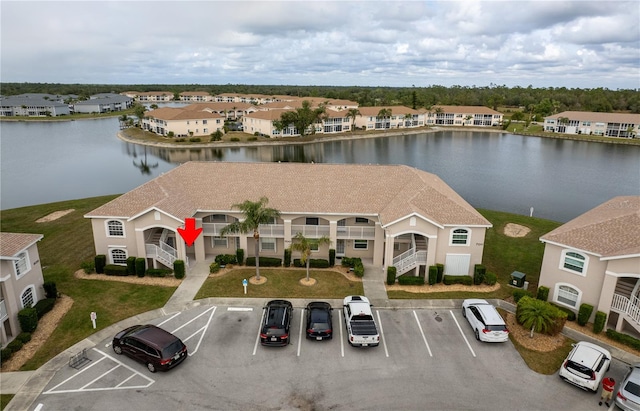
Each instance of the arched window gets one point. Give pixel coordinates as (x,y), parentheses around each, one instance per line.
(118,256)
(575,262)
(460,236)
(22,264)
(568,295)
(27,298)
(115,228)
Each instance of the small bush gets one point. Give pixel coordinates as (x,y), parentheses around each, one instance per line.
(391,275)
(543,293)
(348,262)
(313,263)
(252,139)
(287,257)
(410,280)
(131,266)
(519,293)
(179,269)
(44,306)
(50,289)
(24,337)
(194,139)
(265,262)
(28,319)
(440,268)
(332,257)
(100,261)
(599,322)
(225,259)
(112,269)
(5,354)
(15,345)
(240,256)
(141,266)
(584,313)
(490,279)
(214,268)
(625,339)
(457,279)
(358,268)
(88,266)
(234,139)
(433,274)
(479,272)
(157,272)
(571,316)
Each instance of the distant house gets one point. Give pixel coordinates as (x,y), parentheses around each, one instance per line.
(196,96)
(399,117)
(153,96)
(33,105)
(595,259)
(103,103)
(20,280)
(388,215)
(474,116)
(182,122)
(622,125)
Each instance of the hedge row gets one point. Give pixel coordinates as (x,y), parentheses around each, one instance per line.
(224,259)
(410,280)
(14,346)
(624,339)
(265,262)
(457,279)
(313,263)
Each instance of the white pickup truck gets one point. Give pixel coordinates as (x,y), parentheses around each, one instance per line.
(358,318)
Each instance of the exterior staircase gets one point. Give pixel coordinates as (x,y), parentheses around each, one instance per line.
(412,258)
(159,250)
(626,303)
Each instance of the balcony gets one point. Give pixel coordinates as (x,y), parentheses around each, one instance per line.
(3,310)
(310,231)
(357,233)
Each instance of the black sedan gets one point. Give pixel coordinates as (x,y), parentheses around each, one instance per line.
(319,324)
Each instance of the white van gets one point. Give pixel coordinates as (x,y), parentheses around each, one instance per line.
(486,322)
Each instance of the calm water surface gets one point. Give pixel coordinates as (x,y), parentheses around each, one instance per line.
(45,162)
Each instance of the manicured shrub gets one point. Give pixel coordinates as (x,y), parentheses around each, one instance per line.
(440,268)
(141,266)
(490,278)
(234,139)
(287,257)
(112,269)
(24,337)
(313,263)
(391,275)
(265,262)
(625,339)
(214,267)
(543,293)
(179,270)
(50,289)
(358,268)
(28,319)
(519,293)
(225,259)
(599,322)
(240,256)
(195,139)
(479,272)
(457,279)
(571,316)
(44,306)
(158,272)
(347,262)
(433,274)
(88,266)
(584,313)
(5,354)
(410,280)
(131,266)
(332,257)
(100,261)
(15,345)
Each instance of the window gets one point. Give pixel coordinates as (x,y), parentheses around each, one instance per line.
(22,264)
(118,256)
(567,295)
(360,244)
(215,218)
(314,246)
(220,242)
(460,236)
(27,297)
(115,228)
(267,244)
(312,221)
(575,262)
(362,220)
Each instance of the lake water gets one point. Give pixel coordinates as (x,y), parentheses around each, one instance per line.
(44,162)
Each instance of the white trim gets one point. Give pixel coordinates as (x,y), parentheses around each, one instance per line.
(556,289)
(585,265)
(451,234)
(27,264)
(275,244)
(360,240)
(568,246)
(126,254)
(33,294)
(620,257)
(143,212)
(409,216)
(108,232)
(613,274)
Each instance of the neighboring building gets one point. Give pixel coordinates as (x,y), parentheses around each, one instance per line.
(595,259)
(103,103)
(475,116)
(20,280)
(196,96)
(400,117)
(599,124)
(251,98)
(385,214)
(33,105)
(182,122)
(153,96)
(230,111)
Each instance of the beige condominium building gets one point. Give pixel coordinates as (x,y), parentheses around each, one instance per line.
(623,125)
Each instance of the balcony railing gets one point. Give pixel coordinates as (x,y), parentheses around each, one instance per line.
(3,310)
(628,306)
(271,230)
(310,231)
(354,232)
(213,229)
(409,260)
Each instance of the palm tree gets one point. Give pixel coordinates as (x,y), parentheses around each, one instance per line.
(534,313)
(304,245)
(383,115)
(255,213)
(352,114)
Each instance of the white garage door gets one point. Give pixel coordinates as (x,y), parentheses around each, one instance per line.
(457,264)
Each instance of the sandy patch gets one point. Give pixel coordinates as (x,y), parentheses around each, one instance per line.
(255,281)
(161,281)
(442,288)
(516,230)
(54,216)
(312,281)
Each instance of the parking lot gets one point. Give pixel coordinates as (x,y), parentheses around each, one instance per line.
(427,359)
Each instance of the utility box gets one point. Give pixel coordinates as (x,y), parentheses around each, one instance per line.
(518,279)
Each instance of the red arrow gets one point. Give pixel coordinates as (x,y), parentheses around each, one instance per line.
(190,232)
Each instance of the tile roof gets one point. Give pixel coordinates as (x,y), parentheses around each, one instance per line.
(13,243)
(390,192)
(395,110)
(465,109)
(174,113)
(598,117)
(609,230)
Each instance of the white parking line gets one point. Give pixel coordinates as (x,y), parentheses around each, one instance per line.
(202,330)
(341,335)
(239,309)
(170,318)
(384,342)
(461,333)
(255,346)
(300,333)
(424,338)
(99,376)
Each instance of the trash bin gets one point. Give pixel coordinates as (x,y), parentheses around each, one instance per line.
(518,279)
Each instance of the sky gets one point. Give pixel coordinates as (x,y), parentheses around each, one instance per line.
(573,44)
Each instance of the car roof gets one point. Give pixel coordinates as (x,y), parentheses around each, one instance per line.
(588,354)
(154,335)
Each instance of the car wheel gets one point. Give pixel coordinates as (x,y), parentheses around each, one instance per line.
(151,367)
(117,349)
(477,335)
(464,312)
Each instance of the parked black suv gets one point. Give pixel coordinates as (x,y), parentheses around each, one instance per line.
(275,326)
(151,345)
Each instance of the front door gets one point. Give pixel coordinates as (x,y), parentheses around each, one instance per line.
(339,248)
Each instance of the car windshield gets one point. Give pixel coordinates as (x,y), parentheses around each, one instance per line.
(172,349)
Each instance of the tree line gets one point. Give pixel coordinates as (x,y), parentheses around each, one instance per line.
(541,101)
